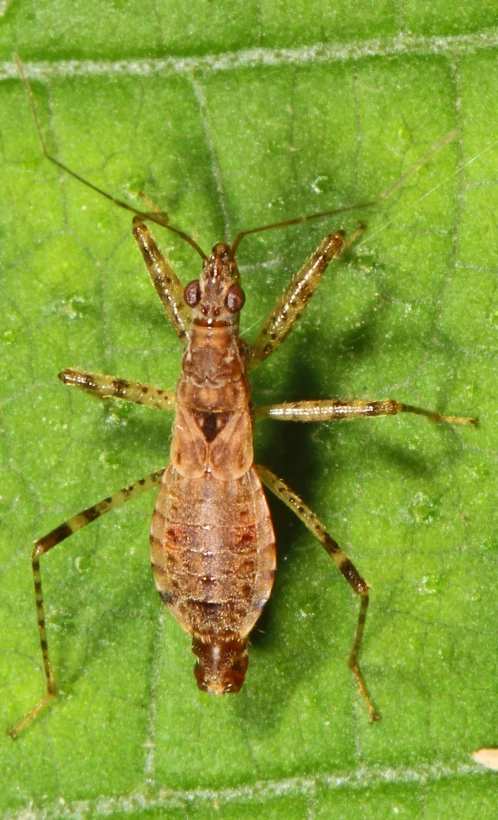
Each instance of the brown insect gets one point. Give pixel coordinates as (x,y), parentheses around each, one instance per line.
(212,542)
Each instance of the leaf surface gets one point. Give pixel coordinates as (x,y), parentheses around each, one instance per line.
(235,116)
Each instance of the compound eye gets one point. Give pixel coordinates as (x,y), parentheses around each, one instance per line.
(192,293)
(235,299)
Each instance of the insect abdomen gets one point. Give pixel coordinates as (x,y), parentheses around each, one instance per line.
(213,558)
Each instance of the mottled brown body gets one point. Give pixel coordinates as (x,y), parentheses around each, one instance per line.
(212,544)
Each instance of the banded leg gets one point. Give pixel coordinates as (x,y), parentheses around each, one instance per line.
(166,282)
(45,544)
(106,387)
(296,296)
(341,560)
(332,410)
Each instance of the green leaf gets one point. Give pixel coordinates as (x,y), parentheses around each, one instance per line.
(229,116)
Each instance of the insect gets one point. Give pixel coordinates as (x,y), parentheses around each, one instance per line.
(212,543)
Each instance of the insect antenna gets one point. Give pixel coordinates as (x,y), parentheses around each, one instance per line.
(160,218)
(367,204)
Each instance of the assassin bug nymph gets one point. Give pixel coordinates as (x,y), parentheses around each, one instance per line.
(212,543)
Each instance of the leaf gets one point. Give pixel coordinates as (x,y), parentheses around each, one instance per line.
(254,114)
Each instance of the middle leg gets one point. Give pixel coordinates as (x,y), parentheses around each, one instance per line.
(334,409)
(106,387)
(296,296)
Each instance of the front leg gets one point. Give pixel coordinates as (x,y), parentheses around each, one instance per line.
(166,282)
(106,387)
(296,296)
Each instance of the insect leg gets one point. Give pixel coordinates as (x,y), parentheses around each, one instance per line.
(43,545)
(295,297)
(332,409)
(166,282)
(341,560)
(106,387)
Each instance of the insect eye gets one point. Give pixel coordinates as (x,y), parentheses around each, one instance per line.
(192,293)
(235,299)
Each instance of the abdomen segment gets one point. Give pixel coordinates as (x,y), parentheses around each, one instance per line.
(213,558)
